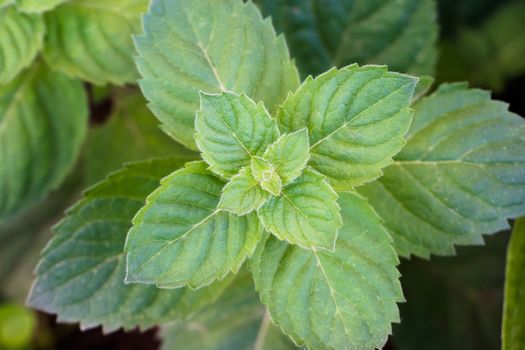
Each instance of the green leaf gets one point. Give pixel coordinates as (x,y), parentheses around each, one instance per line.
(131,134)
(181,238)
(91,40)
(237,321)
(21,40)
(210,46)
(38,6)
(243,194)
(356,119)
(306,213)
(344,299)
(265,173)
(514,309)
(289,154)
(43,121)
(23,236)
(461,174)
(231,130)
(80,276)
(399,33)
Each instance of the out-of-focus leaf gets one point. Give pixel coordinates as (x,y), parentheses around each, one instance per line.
(23,236)
(91,39)
(489,55)
(21,37)
(131,134)
(514,308)
(323,34)
(453,303)
(16,326)
(37,6)
(43,121)
(237,321)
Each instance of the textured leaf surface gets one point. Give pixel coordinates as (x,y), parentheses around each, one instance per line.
(81,273)
(461,174)
(323,34)
(243,194)
(210,46)
(21,38)
(333,300)
(37,6)
(91,39)
(356,119)
(43,120)
(181,238)
(306,213)
(289,155)
(131,134)
(231,130)
(514,308)
(236,321)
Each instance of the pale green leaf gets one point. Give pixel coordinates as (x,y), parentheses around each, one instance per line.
(356,118)
(38,6)
(289,155)
(237,321)
(181,238)
(323,34)
(21,38)
(461,174)
(91,39)
(242,194)
(232,129)
(131,134)
(514,309)
(210,46)
(81,274)
(43,121)
(344,299)
(306,213)
(266,175)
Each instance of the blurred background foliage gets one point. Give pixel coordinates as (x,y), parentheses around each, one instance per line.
(452,302)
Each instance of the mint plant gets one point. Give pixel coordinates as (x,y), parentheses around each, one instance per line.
(282,222)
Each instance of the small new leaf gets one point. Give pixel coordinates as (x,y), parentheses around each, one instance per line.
(289,155)
(344,299)
(266,174)
(180,237)
(243,194)
(306,213)
(231,129)
(356,118)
